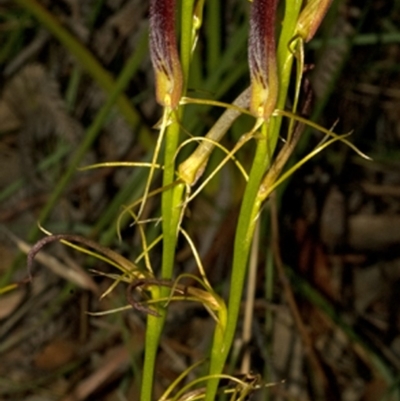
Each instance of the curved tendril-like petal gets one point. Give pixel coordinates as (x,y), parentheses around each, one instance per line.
(262,58)
(164,53)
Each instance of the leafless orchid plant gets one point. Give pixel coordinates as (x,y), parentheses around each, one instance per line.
(275,58)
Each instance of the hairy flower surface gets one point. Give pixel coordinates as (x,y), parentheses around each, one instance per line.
(164,53)
(262,58)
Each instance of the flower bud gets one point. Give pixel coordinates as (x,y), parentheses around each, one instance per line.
(262,58)
(164,53)
(311,17)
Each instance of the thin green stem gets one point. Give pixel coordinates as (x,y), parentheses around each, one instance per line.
(285,62)
(186,39)
(251,204)
(171,204)
(244,233)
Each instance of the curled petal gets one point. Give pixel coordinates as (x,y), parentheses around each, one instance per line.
(262,58)
(164,53)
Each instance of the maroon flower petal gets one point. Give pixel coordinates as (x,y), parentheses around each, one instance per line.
(262,58)
(164,53)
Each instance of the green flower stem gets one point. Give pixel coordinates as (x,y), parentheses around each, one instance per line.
(172,198)
(244,234)
(285,62)
(171,204)
(153,333)
(186,39)
(252,202)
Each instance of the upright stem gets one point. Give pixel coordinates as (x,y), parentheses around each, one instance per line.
(171,204)
(243,238)
(251,204)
